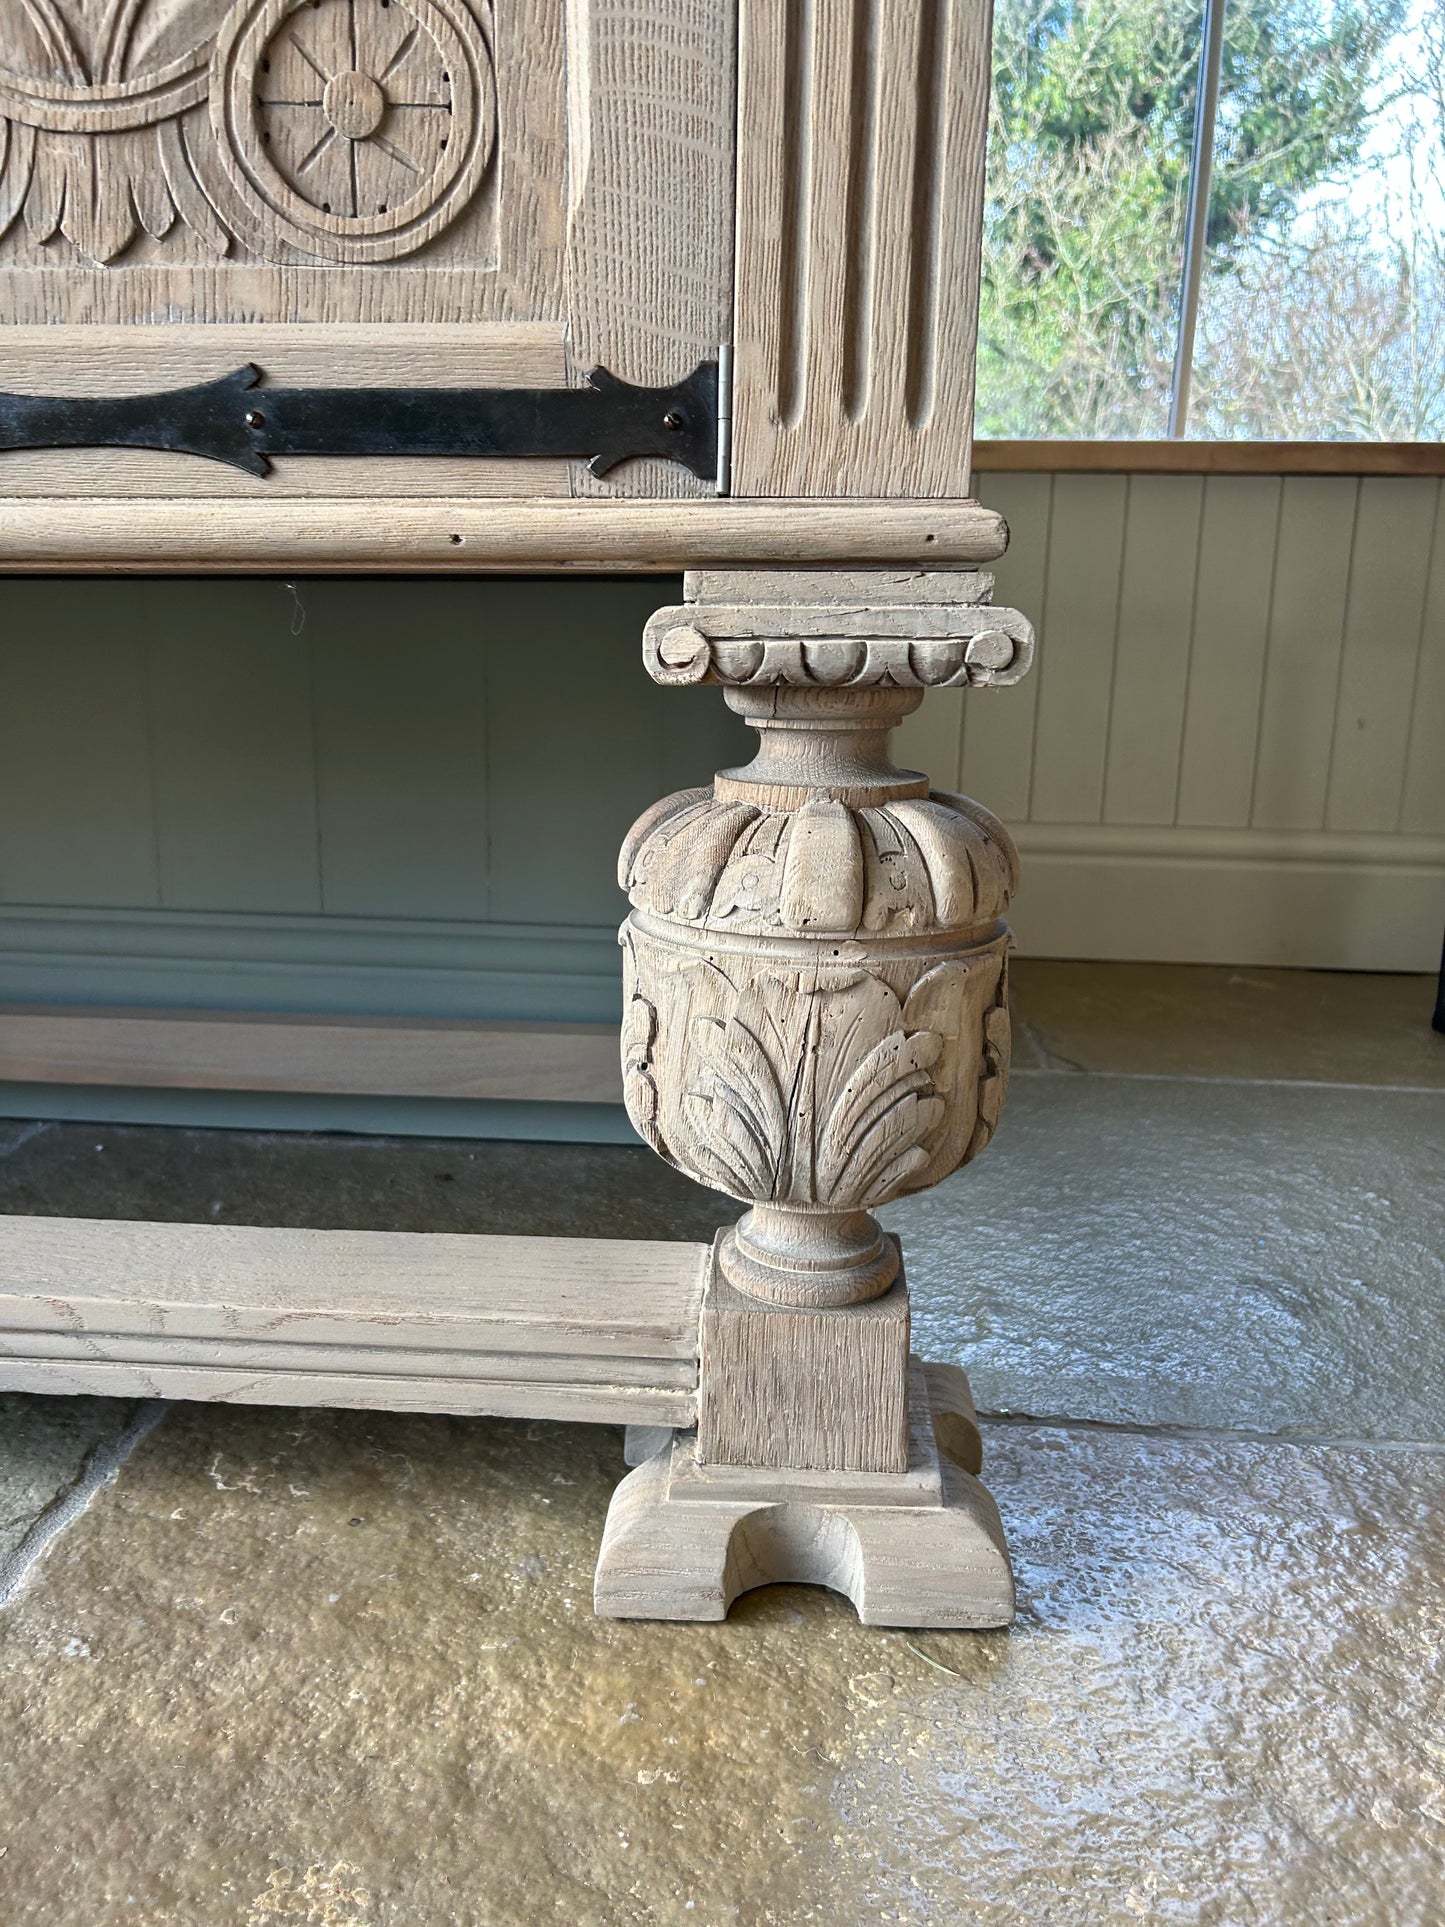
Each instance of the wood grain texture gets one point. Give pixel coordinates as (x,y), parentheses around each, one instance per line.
(361,175)
(860,188)
(839,631)
(1169,457)
(841,588)
(570,1402)
(922,1547)
(650,228)
(813,987)
(622,1298)
(785,1386)
(106,534)
(207,141)
(540,1327)
(250,1051)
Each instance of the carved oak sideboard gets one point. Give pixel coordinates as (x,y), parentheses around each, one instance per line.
(413,285)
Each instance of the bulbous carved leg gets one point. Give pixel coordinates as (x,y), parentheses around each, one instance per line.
(816,1014)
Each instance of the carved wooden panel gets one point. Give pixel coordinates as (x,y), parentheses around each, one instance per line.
(344,130)
(362,166)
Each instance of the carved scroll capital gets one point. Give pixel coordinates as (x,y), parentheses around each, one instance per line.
(924,630)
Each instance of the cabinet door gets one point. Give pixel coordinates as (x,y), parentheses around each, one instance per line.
(357,193)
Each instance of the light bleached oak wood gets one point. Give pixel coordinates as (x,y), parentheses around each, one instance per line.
(351,132)
(572,1402)
(783,1385)
(195,142)
(102,534)
(649,268)
(923,1547)
(274,1358)
(354,1056)
(839,630)
(915,589)
(860,197)
(564,1327)
(815,1006)
(378,165)
(815,1022)
(816,1016)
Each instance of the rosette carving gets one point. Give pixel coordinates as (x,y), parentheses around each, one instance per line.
(353,130)
(343,130)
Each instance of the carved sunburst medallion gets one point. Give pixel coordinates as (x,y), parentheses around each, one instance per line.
(354,130)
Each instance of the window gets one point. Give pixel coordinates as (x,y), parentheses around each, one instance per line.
(1311,303)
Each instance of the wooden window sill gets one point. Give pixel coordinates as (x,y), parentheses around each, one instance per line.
(1210,458)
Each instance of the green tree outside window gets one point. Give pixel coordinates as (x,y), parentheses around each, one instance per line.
(1322,310)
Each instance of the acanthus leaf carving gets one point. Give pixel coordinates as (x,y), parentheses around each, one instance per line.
(819,939)
(99,115)
(818,1087)
(639,1034)
(350,130)
(978,646)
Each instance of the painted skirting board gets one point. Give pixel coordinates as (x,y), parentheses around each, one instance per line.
(1307,899)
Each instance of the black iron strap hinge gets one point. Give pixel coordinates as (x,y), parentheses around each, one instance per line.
(239,421)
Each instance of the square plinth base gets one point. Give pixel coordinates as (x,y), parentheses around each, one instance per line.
(922,1548)
(789,1386)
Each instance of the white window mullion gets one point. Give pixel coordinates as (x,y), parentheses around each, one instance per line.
(1201,167)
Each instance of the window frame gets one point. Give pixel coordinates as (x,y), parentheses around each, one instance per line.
(1172,452)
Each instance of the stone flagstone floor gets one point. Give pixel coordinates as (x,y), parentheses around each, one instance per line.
(279,1666)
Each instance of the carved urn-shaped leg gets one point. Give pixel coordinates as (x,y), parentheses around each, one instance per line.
(815,997)
(816,1014)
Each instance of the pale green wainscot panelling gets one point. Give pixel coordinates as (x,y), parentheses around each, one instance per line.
(358,795)
(1232,747)
(406,796)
